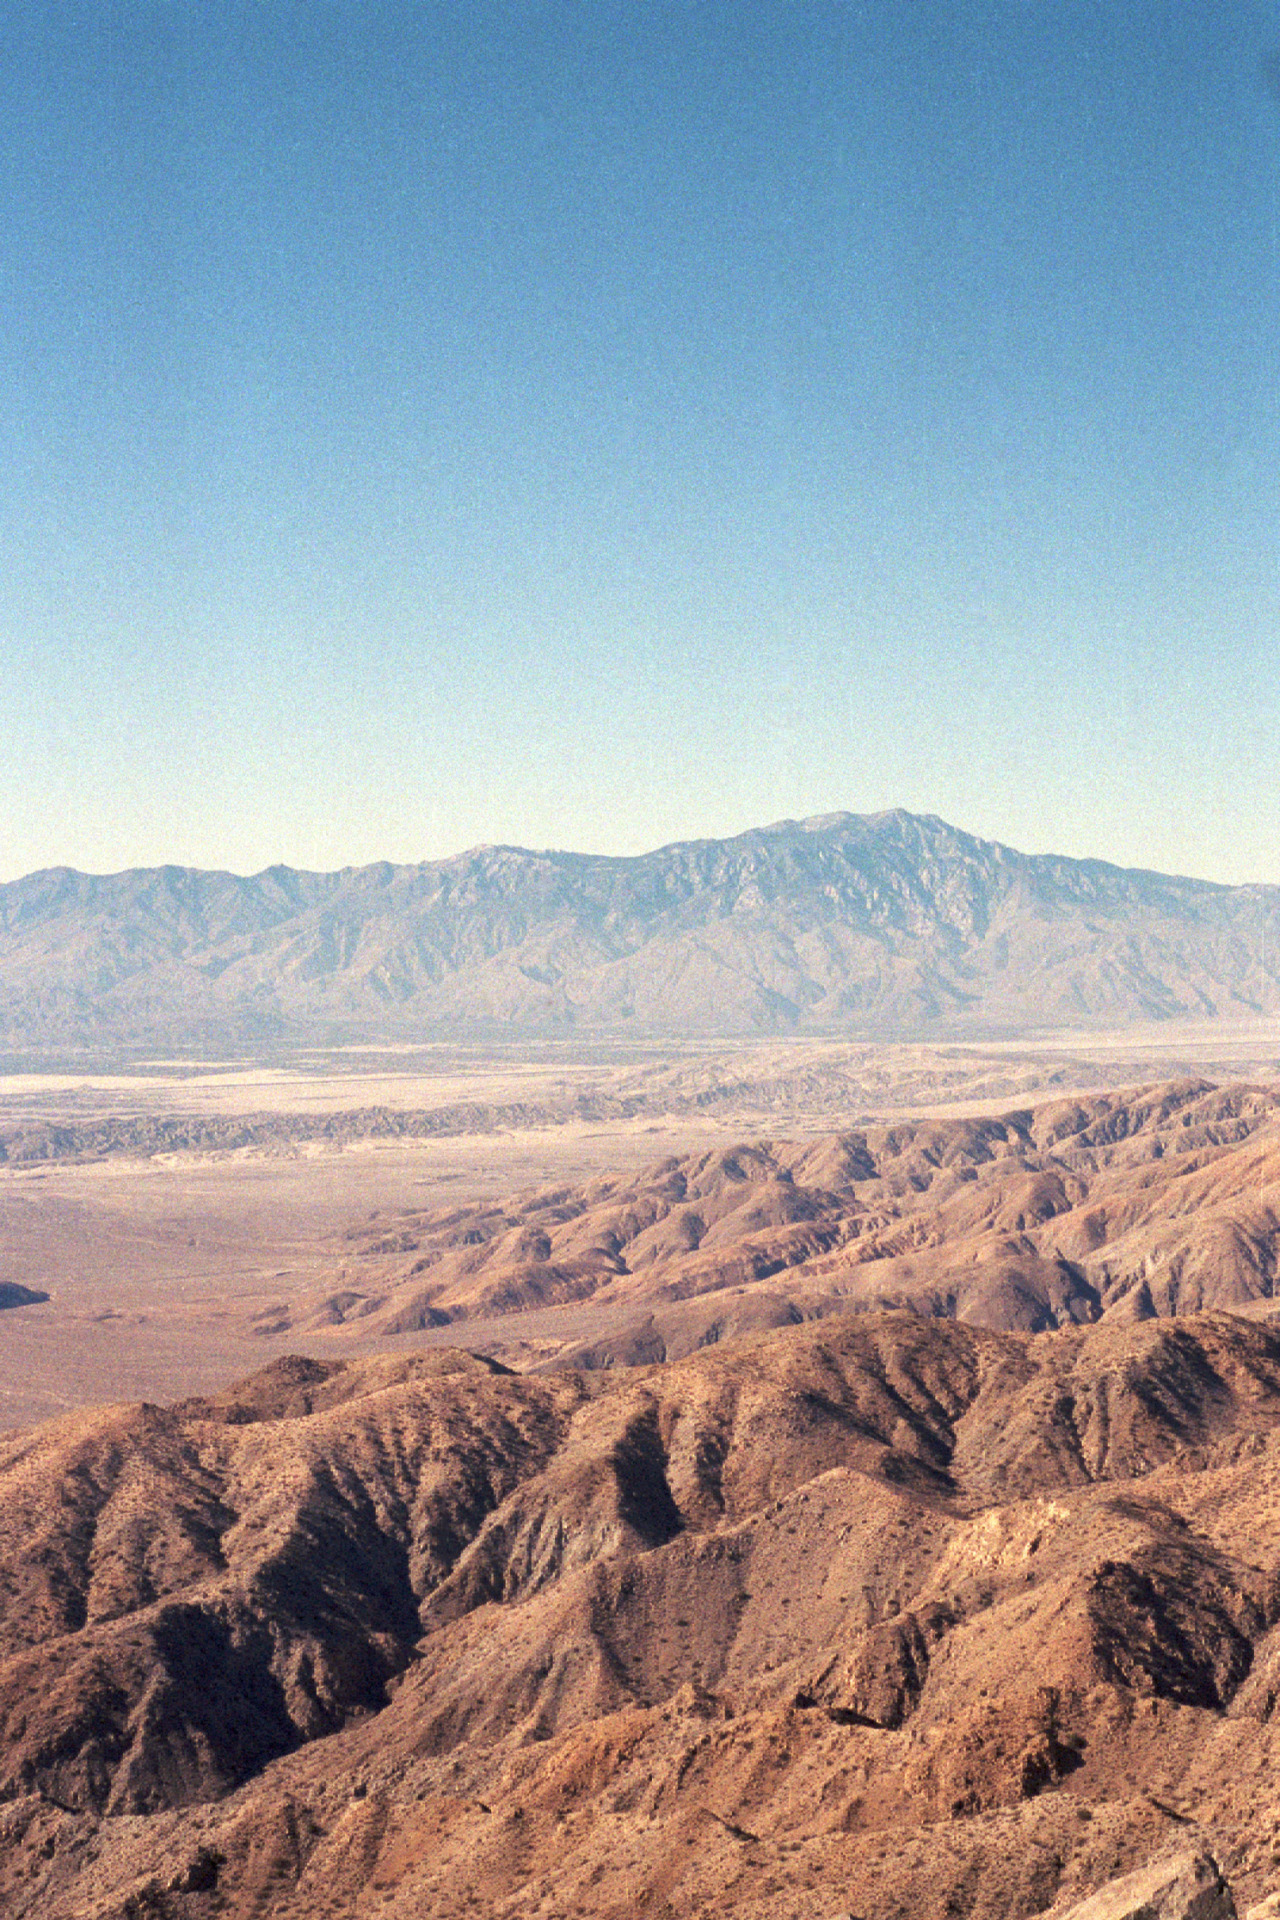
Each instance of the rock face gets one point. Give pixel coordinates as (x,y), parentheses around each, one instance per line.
(886,924)
(886,1616)
(1188,1886)
(1123,1206)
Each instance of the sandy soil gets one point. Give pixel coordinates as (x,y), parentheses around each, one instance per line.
(151,1265)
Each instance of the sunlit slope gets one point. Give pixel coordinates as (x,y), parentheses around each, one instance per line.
(1159,1202)
(891,1617)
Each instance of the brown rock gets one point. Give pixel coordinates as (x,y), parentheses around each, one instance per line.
(884,1615)
(1187,1886)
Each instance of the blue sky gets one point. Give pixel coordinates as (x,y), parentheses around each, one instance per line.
(597,425)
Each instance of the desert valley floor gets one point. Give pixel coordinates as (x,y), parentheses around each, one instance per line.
(165,1208)
(791,1480)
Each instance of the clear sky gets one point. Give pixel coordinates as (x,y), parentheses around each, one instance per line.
(586,423)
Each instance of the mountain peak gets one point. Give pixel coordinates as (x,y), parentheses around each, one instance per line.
(884,924)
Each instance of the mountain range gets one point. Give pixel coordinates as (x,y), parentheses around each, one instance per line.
(891,924)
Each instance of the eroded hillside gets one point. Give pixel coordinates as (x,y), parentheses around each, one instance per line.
(1119,1206)
(885,1615)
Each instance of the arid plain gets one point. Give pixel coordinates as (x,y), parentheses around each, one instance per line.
(166,1207)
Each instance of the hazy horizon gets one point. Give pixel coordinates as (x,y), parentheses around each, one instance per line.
(764,826)
(424,428)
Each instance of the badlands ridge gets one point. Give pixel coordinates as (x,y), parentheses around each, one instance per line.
(901,1544)
(1117,1206)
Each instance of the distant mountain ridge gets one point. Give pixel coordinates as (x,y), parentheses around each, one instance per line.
(884,924)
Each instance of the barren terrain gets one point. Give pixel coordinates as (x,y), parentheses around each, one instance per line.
(170,1209)
(888,1617)
(802,1480)
(890,925)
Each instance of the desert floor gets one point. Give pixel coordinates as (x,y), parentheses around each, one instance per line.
(155,1264)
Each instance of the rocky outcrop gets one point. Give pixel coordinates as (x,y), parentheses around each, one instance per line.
(1186,1886)
(13,1295)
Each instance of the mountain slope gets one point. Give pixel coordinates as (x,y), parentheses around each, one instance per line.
(888,923)
(1145,1204)
(894,1617)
